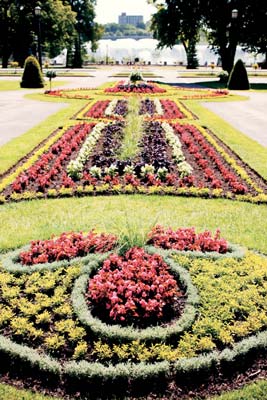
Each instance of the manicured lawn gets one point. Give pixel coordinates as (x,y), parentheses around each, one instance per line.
(15,85)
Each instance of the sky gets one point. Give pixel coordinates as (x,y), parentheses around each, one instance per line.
(109,10)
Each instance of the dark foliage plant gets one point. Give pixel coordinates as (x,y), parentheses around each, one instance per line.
(238,79)
(32,74)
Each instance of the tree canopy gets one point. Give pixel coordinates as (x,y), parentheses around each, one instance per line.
(178,20)
(64,24)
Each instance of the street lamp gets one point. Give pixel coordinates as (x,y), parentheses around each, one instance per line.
(234,14)
(37,12)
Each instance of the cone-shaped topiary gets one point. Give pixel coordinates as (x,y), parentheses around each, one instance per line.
(32,74)
(238,79)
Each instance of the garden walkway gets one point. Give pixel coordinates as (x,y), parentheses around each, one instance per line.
(19,114)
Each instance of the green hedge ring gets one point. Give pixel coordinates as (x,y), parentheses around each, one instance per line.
(234,251)
(116,332)
(10,262)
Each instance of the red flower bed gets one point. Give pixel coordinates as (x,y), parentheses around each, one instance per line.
(98,109)
(133,288)
(67,246)
(171,111)
(187,239)
(138,88)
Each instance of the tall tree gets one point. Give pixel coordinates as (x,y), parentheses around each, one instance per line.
(178,21)
(224,20)
(254,35)
(19,27)
(85,30)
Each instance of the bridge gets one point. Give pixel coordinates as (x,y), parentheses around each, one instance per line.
(136,37)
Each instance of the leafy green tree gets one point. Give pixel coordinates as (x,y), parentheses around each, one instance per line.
(248,29)
(178,21)
(254,37)
(19,28)
(85,30)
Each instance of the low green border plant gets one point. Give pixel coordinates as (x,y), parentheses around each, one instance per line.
(118,333)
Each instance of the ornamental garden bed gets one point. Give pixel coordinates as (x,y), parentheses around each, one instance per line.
(131,145)
(171,158)
(104,318)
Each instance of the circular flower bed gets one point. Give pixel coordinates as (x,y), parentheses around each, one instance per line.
(136,288)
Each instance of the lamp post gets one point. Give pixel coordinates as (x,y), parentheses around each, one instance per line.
(5,41)
(37,12)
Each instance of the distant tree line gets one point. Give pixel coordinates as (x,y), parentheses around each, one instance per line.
(116,30)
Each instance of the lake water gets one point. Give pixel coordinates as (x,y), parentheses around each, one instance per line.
(146,50)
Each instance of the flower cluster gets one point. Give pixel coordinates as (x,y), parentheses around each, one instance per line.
(187,239)
(75,167)
(50,164)
(135,88)
(117,108)
(98,109)
(133,288)
(207,158)
(171,111)
(67,246)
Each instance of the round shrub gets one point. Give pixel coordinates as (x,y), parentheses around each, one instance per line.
(238,79)
(136,288)
(32,74)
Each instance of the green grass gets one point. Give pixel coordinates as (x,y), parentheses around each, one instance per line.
(241,223)
(133,130)
(219,85)
(8,392)
(253,391)
(15,85)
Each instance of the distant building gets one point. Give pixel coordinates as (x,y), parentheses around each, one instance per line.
(135,20)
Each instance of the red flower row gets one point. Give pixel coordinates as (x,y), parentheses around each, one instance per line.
(207,157)
(98,109)
(67,246)
(135,88)
(171,111)
(51,164)
(187,239)
(134,287)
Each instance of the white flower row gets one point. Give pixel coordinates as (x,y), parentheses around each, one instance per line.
(183,166)
(75,167)
(111,108)
(158,106)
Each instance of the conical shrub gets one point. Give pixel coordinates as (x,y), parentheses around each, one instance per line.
(32,74)
(238,79)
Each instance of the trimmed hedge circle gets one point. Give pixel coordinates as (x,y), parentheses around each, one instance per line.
(117,332)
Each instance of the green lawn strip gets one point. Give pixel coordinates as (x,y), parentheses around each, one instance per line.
(262,87)
(248,149)
(133,130)
(12,151)
(252,391)
(8,392)
(240,223)
(15,85)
